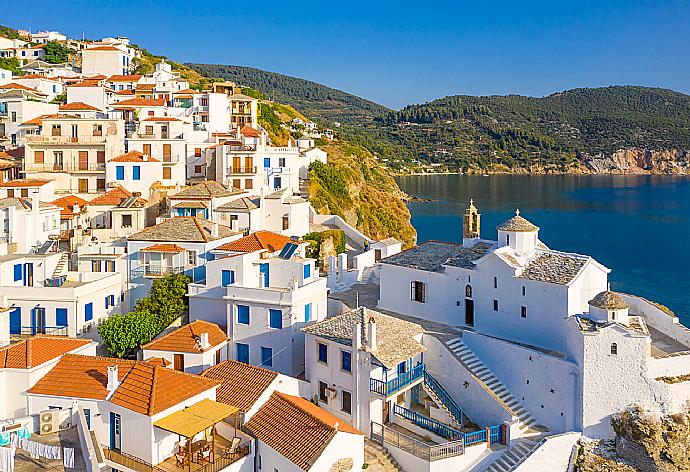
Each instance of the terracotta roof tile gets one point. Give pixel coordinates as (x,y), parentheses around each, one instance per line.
(257,241)
(38,121)
(115,197)
(168,248)
(140,102)
(125,92)
(161,118)
(103,48)
(37,350)
(25,183)
(133,156)
(146,87)
(145,388)
(242,384)
(78,106)
(249,132)
(16,86)
(67,205)
(184,338)
(182,229)
(125,78)
(296,428)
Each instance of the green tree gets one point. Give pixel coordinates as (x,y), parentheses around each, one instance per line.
(56,53)
(122,333)
(60,99)
(167,299)
(11,64)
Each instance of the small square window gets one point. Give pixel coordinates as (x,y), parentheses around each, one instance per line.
(346,402)
(323,352)
(243,314)
(346,361)
(275,319)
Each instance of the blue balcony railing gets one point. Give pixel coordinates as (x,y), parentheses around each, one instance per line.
(495,434)
(432,384)
(475,437)
(422,421)
(389,387)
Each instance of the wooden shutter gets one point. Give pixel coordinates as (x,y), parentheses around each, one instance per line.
(83,160)
(38,157)
(100,157)
(167,173)
(147,149)
(167,152)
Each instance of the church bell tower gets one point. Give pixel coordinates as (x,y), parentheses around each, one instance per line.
(470,225)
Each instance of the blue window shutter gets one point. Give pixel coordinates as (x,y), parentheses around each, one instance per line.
(263,270)
(267,162)
(307,312)
(120,173)
(112,430)
(243,353)
(266,356)
(61,316)
(18,273)
(226,277)
(88,312)
(107,302)
(307,271)
(16,321)
(136,173)
(346,361)
(243,314)
(276,318)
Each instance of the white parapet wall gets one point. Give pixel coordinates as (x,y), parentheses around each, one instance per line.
(553,454)
(658,319)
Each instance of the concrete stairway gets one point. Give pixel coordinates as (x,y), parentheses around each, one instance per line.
(520,449)
(304,188)
(369,275)
(61,266)
(482,372)
(378,458)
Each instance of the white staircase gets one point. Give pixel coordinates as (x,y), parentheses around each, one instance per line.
(61,266)
(369,275)
(475,365)
(454,422)
(520,449)
(378,457)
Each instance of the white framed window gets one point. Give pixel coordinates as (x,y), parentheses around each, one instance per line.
(191,258)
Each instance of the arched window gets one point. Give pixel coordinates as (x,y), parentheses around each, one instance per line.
(614,348)
(468,291)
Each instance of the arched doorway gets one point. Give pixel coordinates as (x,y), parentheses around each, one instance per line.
(469,306)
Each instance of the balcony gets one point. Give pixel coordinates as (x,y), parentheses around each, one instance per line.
(406,379)
(65,167)
(27,331)
(242,170)
(84,139)
(155,271)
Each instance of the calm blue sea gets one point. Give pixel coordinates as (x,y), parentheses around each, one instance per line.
(639,226)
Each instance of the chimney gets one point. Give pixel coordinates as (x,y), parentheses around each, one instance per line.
(34,205)
(204,341)
(336,426)
(371,333)
(357,336)
(214,230)
(113,378)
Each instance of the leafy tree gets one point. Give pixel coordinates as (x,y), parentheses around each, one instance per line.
(167,299)
(123,333)
(11,64)
(56,53)
(60,99)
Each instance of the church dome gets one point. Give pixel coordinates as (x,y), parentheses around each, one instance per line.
(518,224)
(609,301)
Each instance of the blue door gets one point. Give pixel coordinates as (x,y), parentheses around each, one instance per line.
(61,317)
(88,311)
(16,321)
(243,353)
(263,270)
(115,431)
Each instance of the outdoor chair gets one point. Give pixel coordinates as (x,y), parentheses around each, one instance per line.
(204,456)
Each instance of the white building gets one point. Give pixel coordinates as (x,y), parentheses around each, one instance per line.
(106,60)
(204,200)
(264,290)
(19,104)
(192,348)
(25,362)
(135,171)
(43,37)
(50,87)
(116,214)
(293,434)
(163,138)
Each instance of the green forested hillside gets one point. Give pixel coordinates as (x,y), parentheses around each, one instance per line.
(318,102)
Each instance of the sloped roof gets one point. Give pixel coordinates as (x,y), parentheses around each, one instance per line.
(243,204)
(242,384)
(553,268)
(182,229)
(140,102)
(609,301)
(67,204)
(166,248)
(296,428)
(133,156)
(394,337)
(161,118)
(16,86)
(145,388)
(431,256)
(78,106)
(185,338)
(517,224)
(249,132)
(205,190)
(125,78)
(37,350)
(102,48)
(257,241)
(115,197)
(24,183)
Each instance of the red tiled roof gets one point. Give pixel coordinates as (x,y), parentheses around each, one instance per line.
(133,156)
(38,121)
(242,384)
(146,87)
(78,106)
(67,204)
(103,48)
(125,78)
(37,350)
(161,118)
(184,338)
(257,241)
(16,86)
(296,428)
(36,76)
(125,92)
(25,183)
(114,197)
(249,132)
(141,102)
(169,248)
(144,387)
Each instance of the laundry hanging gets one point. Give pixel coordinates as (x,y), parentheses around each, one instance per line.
(7,458)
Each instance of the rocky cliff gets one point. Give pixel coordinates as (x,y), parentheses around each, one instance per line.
(641,161)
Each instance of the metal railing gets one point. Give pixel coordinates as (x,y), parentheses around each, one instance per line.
(129,461)
(414,446)
(64,167)
(28,331)
(495,435)
(444,397)
(242,170)
(434,426)
(83,139)
(389,387)
(475,437)
(156,271)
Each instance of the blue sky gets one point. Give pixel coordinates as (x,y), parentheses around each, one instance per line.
(397,53)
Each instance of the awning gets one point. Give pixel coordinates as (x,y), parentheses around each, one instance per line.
(191,204)
(196,418)
(166,248)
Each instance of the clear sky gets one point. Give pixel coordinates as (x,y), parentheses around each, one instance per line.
(397,53)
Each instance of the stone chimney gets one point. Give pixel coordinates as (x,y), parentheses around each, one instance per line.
(203,341)
(113,378)
(357,336)
(371,333)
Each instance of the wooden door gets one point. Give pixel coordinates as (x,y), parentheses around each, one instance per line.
(178,362)
(167,152)
(167,173)
(147,149)
(248,164)
(469,312)
(83,160)
(236,164)
(83,185)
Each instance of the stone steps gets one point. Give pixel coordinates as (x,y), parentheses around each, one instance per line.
(519,450)
(480,370)
(382,456)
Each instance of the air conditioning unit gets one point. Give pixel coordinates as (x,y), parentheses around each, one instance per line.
(331,393)
(48,422)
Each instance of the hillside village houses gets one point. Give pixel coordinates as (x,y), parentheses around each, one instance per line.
(485,355)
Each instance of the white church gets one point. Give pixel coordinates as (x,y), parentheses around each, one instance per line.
(539,328)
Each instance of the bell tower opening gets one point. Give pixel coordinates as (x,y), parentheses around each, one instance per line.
(470,225)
